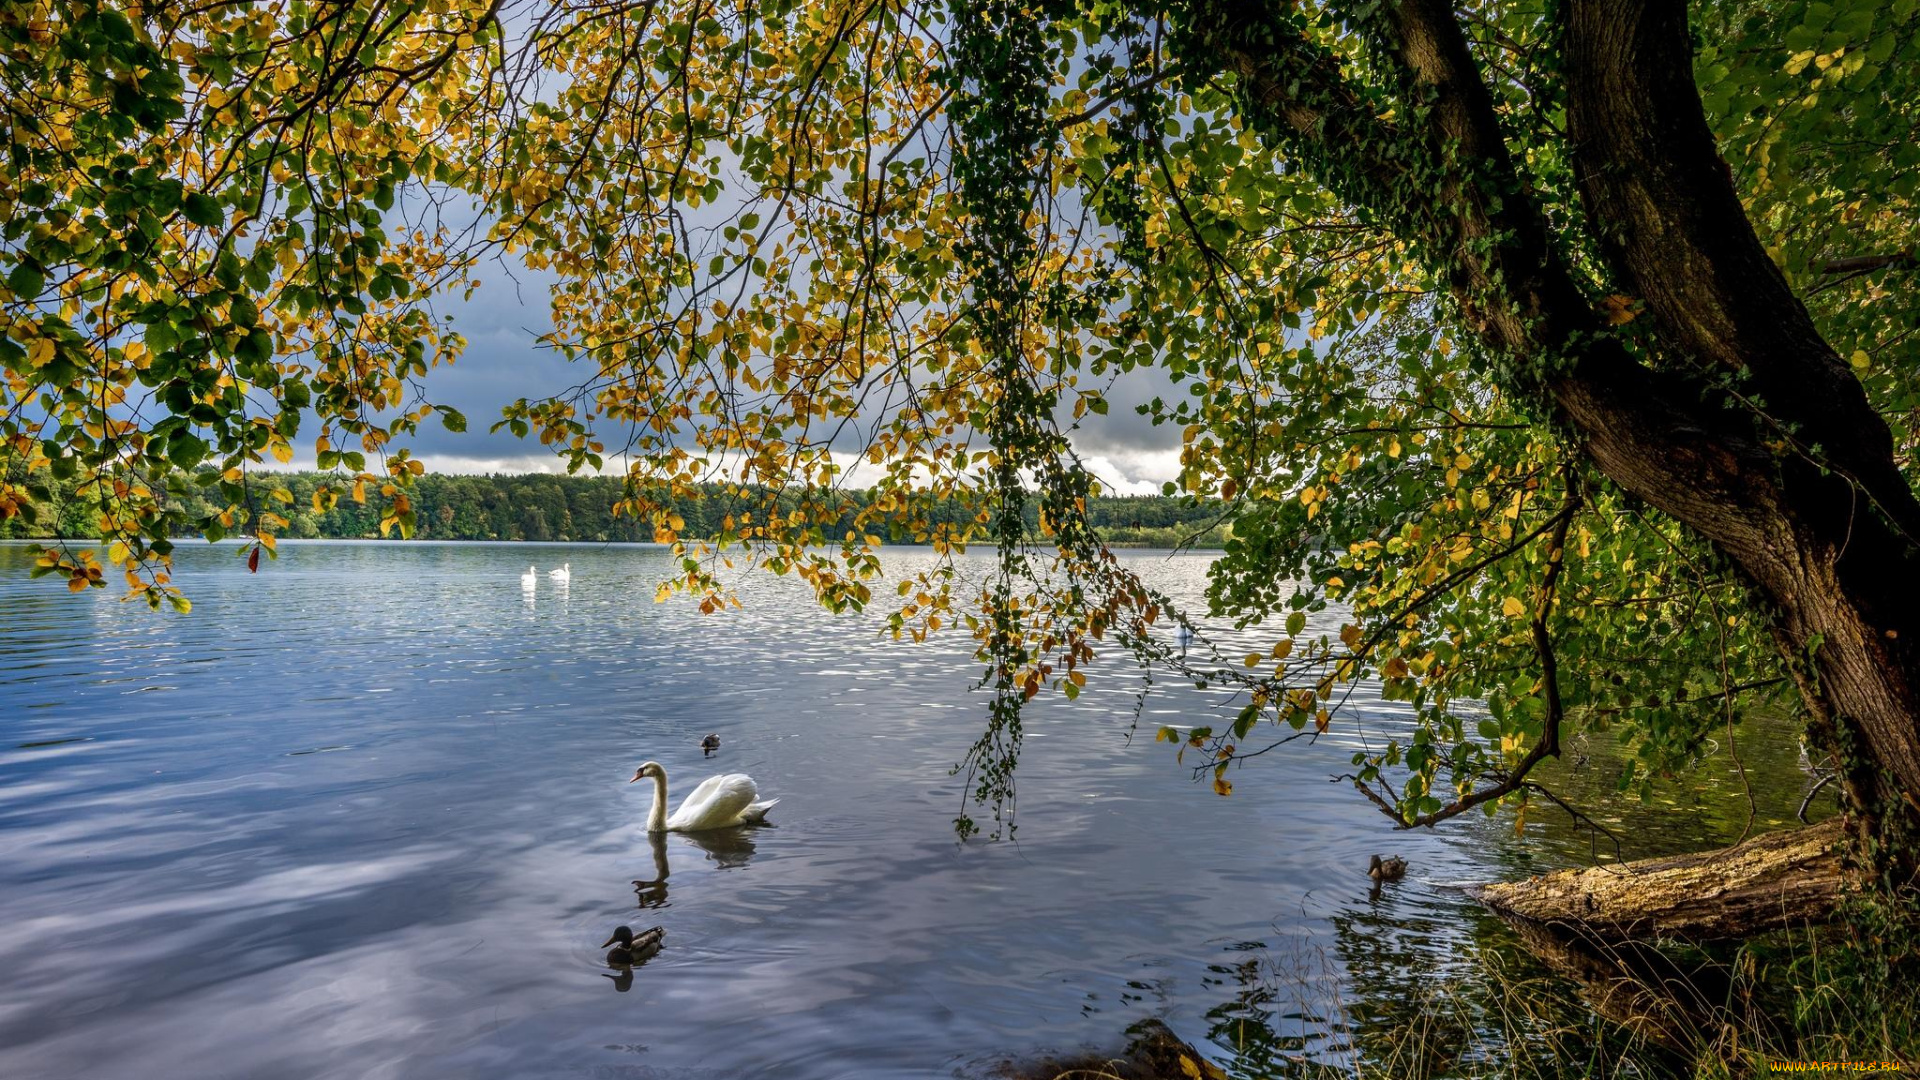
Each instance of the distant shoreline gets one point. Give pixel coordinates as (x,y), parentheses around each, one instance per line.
(237,541)
(545,507)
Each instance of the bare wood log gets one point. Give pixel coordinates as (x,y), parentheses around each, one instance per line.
(1773,881)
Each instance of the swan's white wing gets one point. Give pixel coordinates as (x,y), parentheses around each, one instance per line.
(696,798)
(718,802)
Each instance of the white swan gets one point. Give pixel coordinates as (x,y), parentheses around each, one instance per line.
(529,579)
(719,802)
(565,573)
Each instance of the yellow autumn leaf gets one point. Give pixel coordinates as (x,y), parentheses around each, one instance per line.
(1512,607)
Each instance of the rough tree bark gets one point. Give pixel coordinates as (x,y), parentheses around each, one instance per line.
(1833,542)
(1744,424)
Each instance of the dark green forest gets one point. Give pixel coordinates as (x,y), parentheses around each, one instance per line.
(543,506)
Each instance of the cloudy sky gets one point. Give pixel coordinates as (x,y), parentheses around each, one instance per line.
(503,362)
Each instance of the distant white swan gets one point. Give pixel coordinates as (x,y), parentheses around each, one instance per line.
(719,802)
(565,573)
(529,579)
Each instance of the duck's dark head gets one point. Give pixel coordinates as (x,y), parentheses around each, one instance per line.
(621,934)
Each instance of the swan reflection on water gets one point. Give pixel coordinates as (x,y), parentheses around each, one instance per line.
(727,849)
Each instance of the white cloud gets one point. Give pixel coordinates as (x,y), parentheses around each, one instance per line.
(1134,472)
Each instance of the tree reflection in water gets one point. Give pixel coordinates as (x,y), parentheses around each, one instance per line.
(1413,998)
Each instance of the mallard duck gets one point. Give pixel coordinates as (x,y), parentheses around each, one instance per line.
(709,744)
(633,948)
(1391,868)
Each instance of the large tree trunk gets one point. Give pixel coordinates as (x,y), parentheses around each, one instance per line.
(1828,526)
(1736,418)
(1770,882)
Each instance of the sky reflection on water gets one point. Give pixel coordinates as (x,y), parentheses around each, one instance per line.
(364,814)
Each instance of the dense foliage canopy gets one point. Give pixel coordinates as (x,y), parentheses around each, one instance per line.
(1465,309)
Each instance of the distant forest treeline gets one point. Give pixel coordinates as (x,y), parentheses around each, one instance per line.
(542,506)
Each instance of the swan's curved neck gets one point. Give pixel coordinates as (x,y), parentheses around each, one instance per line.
(657,821)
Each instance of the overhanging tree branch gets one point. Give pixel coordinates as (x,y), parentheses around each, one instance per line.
(1549,743)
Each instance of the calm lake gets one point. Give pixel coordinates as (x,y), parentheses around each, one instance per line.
(366,814)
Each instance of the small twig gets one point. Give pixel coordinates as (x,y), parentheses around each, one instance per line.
(1594,828)
(1808,801)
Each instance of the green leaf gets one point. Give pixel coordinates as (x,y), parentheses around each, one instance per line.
(25,281)
(186,449)
(1245,721)
(203,210)
(256,347)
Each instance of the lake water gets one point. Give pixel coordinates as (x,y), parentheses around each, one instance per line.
(365,814)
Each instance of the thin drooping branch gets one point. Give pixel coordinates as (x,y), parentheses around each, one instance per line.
(1549,742)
